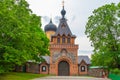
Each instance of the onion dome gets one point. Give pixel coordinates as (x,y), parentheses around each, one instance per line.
(50,27)
(63,12)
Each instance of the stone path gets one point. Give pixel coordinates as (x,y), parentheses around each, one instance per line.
(69,78)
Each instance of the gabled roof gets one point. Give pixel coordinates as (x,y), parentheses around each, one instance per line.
(85,58)
(80,58)
(47,59)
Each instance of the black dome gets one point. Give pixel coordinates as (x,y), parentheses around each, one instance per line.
(50,27)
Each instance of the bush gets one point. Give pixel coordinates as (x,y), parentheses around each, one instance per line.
(115,71)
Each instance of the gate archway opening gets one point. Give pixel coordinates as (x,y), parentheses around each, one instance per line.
(63,68)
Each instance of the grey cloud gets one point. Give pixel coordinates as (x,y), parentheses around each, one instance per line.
(46,19)
(85,51)
(57,18)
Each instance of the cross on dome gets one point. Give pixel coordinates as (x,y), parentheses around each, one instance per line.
(63,3)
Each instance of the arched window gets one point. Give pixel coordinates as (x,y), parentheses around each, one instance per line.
(63,40)
(58,40)
(68,40)
(82,68)
(43,68)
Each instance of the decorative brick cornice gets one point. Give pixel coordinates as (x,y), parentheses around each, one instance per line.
(63,46)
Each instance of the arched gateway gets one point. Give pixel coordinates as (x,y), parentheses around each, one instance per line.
(63,68)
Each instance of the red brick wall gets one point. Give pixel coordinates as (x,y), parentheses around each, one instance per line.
(80,72)
(47,68)
(97,72)
(32,67)
(73,67)
(56,48)
(18,68)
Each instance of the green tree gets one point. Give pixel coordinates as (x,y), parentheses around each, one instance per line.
(103,29)
(21,38)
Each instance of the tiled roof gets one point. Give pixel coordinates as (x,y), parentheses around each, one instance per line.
(80,58)
(47,59)
(63,29)
(85,58)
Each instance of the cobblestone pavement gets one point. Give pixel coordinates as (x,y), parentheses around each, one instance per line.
(69,78)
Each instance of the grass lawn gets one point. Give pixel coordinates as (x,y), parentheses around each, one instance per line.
(19,76)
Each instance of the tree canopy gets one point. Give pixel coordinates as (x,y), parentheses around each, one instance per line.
(21,37)
(103,29)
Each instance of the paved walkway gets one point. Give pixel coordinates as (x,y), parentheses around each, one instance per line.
(69,78)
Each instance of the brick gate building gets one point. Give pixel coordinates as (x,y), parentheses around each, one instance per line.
(63,59)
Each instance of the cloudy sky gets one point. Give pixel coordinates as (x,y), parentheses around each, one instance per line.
(77,15)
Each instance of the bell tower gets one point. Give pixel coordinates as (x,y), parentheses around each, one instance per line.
(63,49)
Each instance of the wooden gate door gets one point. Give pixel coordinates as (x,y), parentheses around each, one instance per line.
(63,68)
